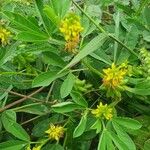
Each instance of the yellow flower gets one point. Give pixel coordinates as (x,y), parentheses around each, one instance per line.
(70,27)
(4,36)
(55,132)
(114,76)
(102,111)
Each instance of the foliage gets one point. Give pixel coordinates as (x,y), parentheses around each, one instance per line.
(74,74)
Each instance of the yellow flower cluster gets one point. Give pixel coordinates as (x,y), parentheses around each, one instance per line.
(55,132)
(102,111)
(71,28)
(114,76)
(4,36)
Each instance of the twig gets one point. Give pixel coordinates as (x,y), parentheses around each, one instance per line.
(100,28)
(21,100)
(21,95)
(30,120)
(50,90)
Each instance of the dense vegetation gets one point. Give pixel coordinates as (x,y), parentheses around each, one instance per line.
(75,75)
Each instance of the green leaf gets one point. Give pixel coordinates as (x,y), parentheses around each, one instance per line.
(142,88)
(61,7)
(53,59)
(127,122)
(12,127)
(35,108)
(43,17)
(87,25)
(65,107)
(7,54)
(105,142)
(13,145)
(67,85)
(109,143)
(81,127)
(129,40)
(102,56)
(119,144)
(47,78)
(10,115)
(4,95)
(43,124)
(124,137)
(102,141)
(97,126)
(32,37)
(51,15)
(22,23)
(147,145)
(53,147)
(139,91)
(146,16)
(79,99)
(146,36)
(93,45)
(1,126)
(30,30)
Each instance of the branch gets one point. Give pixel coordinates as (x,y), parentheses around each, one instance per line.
(21,100)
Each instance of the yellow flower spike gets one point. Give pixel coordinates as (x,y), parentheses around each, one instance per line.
(4,36)
(102,111)
(70,27)
(55,132)
(113,77)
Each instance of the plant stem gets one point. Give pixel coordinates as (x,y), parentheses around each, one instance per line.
(17,73)
(91,68)
(113,104)
(24,96)
(92,20)
(143,4)
(102,30)
(117,22)
(50,91)
(32,119)
(24,106)
(21,100)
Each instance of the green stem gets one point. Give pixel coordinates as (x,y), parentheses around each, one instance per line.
(43,143)
(35,142)
(113,104)
(50,91)
(117,22)
(54,41)
(78,70)
(144,3)
(17,73)
(91,68)
(32,119)
(21,107)
(99,27)
(130,50)
(92,20)
(104,127)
